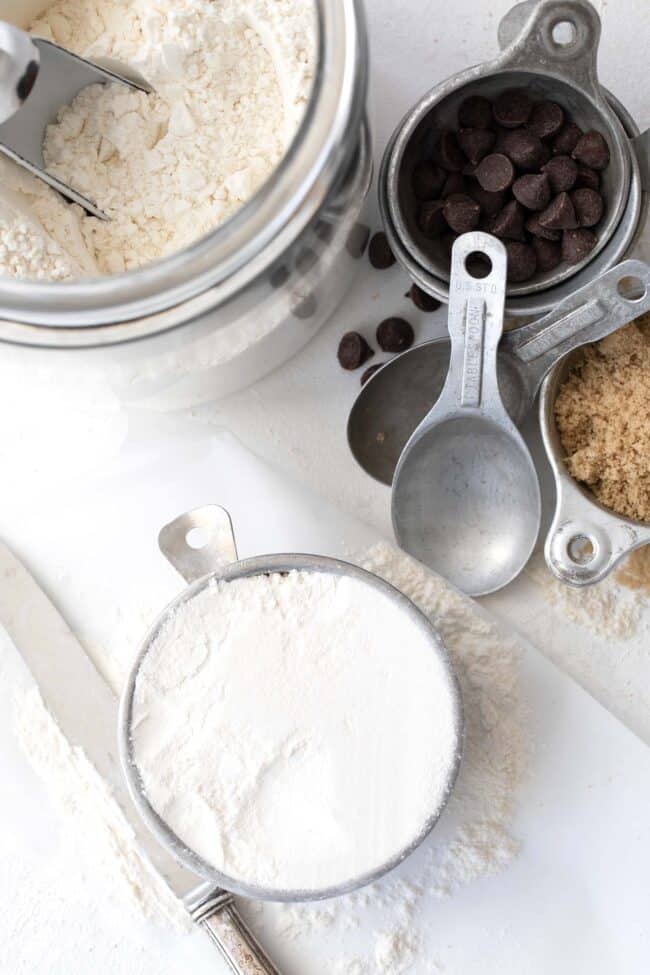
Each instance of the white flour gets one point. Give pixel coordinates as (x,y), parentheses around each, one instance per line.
(392,918)
(231,80)
(296,730)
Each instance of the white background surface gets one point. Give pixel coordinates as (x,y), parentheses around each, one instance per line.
(579,889)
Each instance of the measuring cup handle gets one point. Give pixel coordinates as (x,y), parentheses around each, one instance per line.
(214,911)
(199,542)
(581,552)
(595,311)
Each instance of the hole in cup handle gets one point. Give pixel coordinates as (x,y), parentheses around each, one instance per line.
(580,553)
(199,542)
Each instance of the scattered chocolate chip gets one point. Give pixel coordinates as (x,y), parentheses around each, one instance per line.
(534,227)
(495,173)
(588,178)
(379,252)
(357,240)
(431,219)
(567,139)
(370,371)
(449,154)
(522,262)
(490,203)
(428,179)
(562,172)
(577,245)
(588,205)
(462,213)
(512,108)
(395,335)
(476,143)
(524,149)
(533,191)
(353,351)
(455,183)
(559,214)
(421,299)
(279,276)
(548,253)
(475,113)
(509,224)
(592,151)
(546,119)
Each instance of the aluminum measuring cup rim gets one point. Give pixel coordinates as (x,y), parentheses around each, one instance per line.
(261,565)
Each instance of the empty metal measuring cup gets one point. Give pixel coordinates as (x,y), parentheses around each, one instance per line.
(466,498)
(216,558)
(394,401)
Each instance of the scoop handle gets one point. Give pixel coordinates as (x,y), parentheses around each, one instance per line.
(475,322)
(595,311)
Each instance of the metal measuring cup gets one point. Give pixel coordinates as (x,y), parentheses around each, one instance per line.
(566,73)
(392,403)
(217,558)
(586,540)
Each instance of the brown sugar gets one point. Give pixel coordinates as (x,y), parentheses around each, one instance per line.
(635,571)
(603,418)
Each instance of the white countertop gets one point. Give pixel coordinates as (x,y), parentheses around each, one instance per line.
(295,419)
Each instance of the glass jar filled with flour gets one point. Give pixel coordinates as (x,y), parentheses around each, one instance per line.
(234,193)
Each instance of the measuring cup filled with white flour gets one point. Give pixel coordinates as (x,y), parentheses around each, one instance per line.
(291,729)
(232,190)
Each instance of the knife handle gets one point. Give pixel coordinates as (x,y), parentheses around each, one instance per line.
(219,917)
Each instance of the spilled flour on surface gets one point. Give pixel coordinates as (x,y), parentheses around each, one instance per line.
(390,922)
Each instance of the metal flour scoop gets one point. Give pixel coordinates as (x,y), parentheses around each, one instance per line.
(466,498)
(392,403)
(37,78)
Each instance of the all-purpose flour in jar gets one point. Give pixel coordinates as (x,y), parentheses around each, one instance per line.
(296,730)
(231,80)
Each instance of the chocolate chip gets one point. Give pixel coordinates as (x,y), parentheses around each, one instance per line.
(588,205)
(577,245)
(475,113)
(588,178)
(379,252)
(357,240)
(524,149)
(567,139)
(512,108)
(462,213)
(395,335)
(421,299)
(449,153)
(495,173)
(476,143)
(370,371)
(353,351)
(548,253)
(429,144)
(546,119)
(534,227)
(522,262)
(532,191)
(279,276)
(592,151)
(490,203)
(559,214)
(562,172)
(427,181)
(455,183)
(509,224)
(431,220)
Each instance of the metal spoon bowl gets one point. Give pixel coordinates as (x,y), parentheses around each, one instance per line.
(466,498)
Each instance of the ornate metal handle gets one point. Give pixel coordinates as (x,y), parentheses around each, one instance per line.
(216,913)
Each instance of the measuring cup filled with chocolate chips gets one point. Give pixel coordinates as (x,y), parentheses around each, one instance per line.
(528,147)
